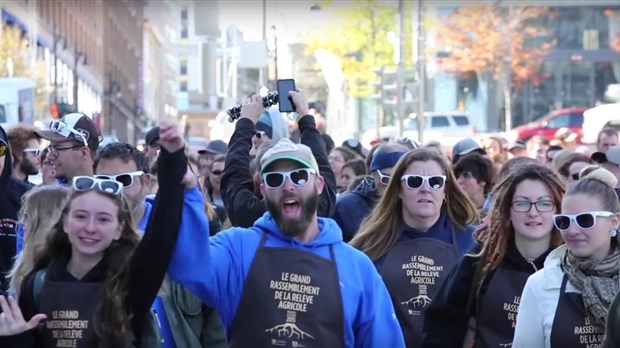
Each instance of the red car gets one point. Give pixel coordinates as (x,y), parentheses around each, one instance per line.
(549,124)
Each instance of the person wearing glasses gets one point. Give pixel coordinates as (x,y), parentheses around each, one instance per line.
(195,325)
(477,304)
(289,280)
(25,148)
(74,142)
(215,193)
(96,278)
(353,207)
(570,167)
(416,233)
(337,158)
(48,174)
(566,303)
(11,191)
(242,199)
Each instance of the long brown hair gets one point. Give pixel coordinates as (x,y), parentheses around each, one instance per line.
(111,321)
(495,235)
(381,229)
(39,207)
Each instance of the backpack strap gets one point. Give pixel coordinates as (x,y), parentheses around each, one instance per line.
(39,280)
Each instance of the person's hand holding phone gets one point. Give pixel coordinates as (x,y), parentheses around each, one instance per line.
(252,108)
(300,99)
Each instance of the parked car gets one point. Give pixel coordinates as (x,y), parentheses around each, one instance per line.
(597,118)
(445,127)
(549,124)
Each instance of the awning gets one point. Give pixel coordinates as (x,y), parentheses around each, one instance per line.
(11,19)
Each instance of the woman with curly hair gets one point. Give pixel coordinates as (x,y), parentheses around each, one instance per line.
(416,233)
(477,304)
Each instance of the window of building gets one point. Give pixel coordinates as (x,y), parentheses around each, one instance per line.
(183,86)
(184,34)
(184,14)
(183,64)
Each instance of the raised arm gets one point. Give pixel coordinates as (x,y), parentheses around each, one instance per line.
(152,256)
(244,206)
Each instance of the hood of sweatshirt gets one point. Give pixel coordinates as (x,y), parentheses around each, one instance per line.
(329,233)
(279,128)
(7,170)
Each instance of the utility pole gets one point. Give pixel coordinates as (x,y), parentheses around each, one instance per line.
(421,74)
(400,81)
(262,72)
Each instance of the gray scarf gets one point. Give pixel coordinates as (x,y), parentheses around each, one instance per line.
(598,282)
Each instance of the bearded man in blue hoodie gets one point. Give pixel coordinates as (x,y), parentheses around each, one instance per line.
(289,280)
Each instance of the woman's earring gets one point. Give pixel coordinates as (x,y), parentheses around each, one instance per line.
(613,233)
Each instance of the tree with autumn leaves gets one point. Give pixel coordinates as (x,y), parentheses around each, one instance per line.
(502,40)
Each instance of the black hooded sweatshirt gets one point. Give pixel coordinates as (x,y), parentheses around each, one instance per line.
(244,205)
(446,321)
(11,192)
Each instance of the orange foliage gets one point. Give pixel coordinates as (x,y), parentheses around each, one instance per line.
(492,38)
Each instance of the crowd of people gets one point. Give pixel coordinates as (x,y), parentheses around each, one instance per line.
(280,238)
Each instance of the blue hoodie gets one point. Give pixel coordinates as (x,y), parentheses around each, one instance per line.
(226,258)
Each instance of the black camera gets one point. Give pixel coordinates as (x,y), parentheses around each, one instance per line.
(269,100)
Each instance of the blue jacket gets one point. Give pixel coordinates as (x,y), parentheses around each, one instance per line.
(225,260)
(352,208)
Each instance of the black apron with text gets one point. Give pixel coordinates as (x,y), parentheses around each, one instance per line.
(571,326)
(413,272)
(291,298)
(70,307)
(496,314)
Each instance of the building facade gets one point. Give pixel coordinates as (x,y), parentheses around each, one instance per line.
(577,72)
(162,26)
(90,53)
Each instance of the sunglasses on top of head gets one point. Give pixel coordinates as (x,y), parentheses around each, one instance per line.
(299,177)
(57,126)
(124,178)
(584,221)
(87,183)
(435,182)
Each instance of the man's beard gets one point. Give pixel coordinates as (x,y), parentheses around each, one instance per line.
(294,227)
(28,168)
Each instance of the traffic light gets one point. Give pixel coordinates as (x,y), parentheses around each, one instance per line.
(54,111)
(58,110)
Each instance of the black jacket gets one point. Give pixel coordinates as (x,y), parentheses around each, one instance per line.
(149,262)
(11,192)
(353,207)
(244,205)
(446,321)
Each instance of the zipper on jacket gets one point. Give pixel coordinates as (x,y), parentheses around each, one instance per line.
(158,324)
(531,262)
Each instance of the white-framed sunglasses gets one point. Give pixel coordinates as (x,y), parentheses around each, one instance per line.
(299,177)
(57,126)
(87,183)
(36,152)
(124,178)
(584,221)
(435,182)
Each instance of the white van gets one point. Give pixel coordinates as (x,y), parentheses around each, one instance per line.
(445,127)
(597,118)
